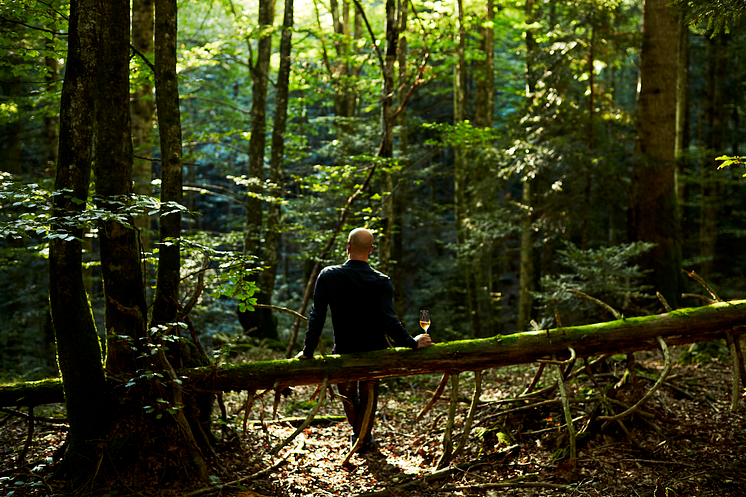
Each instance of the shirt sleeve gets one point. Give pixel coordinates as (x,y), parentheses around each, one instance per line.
(393,326)
(317,317)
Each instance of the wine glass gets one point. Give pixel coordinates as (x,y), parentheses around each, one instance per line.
(425,319)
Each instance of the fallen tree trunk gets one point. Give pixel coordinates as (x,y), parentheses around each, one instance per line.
(626,335)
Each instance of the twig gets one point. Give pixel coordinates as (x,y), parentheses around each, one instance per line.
(559,363)
(534,380)
(43,480)
(22,456)
(282,309)
(663,301)
(516,484)
(364,427)
(198,290)
(614,312)
(445,457)
(61,422)
(443,473)
(435,397)
(704,284)
(735,356)
(233,483)
(698,297)
(653,389)
(276,449)
(472,411)
(568,414)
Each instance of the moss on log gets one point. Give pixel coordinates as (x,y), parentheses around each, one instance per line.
(32,393)
(625,335)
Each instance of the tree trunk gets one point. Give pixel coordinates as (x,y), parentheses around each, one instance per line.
(714,143)
(397,273)
(126,310)
(682,119)
(345,96)
(679,327)
(527,270)
(387,150)
(654,213)
(166,301)
(142,109)
(51,123)
(628,335)
(461,177)
(78,348)
(254,322)
(484,323)
(276,175)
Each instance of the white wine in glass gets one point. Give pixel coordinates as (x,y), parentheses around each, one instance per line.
(425,320)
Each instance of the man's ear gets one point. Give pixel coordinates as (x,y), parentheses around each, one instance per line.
(371,250)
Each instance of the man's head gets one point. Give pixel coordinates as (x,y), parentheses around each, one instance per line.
(360,244)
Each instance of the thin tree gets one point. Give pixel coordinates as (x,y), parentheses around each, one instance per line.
(259,323)
(653,213)
(276,175)
(126,310)
(79,354)
(142,109)
(166,302)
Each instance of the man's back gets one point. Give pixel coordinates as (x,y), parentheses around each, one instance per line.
(360,300)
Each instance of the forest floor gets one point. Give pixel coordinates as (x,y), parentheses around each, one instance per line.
(684,440)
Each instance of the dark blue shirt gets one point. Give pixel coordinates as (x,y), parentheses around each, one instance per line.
(361,302)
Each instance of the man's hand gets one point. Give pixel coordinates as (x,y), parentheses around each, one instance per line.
(300,355)
(423,340)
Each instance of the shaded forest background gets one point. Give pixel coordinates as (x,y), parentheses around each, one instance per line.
(508,178)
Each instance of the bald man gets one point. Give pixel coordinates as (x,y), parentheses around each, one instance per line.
(361,301)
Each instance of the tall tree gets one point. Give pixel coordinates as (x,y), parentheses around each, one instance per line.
(259,324)
(79,353)
(397,271)
(387,149)
(653,213)
(277,157)
(527,269)
(166,303)
(714,136)
(126,310)
(142,110)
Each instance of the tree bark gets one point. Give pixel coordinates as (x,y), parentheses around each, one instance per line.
(126,309)
(142,109)
(387,150)
(166,301)
(626,335)
(277,157)
(716,127)
(527,267)
(254,322)
(78,348)
(653,211)
(682,119)
(396,272)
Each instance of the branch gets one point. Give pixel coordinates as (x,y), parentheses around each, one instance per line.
(606,306)
(653,389)
(370,30)
(702,282)
(435,397)
(143,57)
(276,449)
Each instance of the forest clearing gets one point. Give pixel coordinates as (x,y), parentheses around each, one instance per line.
(683,441)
